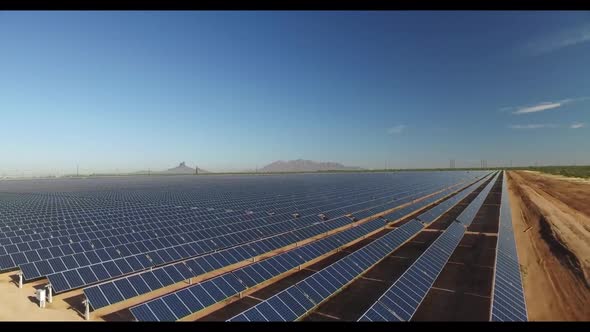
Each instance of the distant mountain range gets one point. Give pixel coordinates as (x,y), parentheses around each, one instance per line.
(183,169)
(301,165)
(280,166)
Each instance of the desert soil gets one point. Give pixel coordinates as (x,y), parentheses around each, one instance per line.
(551,218)
(20,304)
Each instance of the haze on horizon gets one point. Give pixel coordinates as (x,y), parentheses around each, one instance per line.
(230,91)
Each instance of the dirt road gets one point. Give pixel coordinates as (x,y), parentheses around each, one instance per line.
(551,220)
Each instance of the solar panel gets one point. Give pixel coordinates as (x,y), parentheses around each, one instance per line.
(314,289)
(508,303)
(89,239)
(403,298)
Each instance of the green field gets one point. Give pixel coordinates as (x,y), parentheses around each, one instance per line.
(572,171)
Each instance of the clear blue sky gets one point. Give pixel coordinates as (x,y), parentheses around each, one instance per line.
(232,90)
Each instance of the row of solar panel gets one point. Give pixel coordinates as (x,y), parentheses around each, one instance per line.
(401,300)
(105,250)
(248,276)
(201,196)
(433,214)
(322,284)
(144,313)
(137,230)
(39,268)
(467,216)
(508,302)
(340,192)
(111,221)
(176,198)
(60,280)
(154,243)
(290,259)
(47,253)
(69,279)
(331,243)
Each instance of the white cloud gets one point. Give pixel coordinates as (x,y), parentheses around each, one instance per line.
(560,39)
(533,126)
(540,107)
(577,125)
(537,108)
(396,129)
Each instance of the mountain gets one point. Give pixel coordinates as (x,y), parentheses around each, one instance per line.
(301,165)
(183,169)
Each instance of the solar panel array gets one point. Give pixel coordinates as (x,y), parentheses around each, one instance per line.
(64,227)
(508,296)
(291,231)
(324,283)
(249,276)
(402,299)
(84,248)
(98,298)
(295,301)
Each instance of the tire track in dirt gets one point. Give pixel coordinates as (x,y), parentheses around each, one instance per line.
(551,246)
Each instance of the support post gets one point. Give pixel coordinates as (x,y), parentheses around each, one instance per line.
(20,280)
(86,310)
(49,293)
(190,281)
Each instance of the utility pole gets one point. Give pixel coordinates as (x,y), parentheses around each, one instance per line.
(196,170)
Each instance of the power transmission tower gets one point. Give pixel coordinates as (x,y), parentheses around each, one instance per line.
(77,170)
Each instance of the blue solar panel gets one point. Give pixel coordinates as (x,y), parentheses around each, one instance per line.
(508,303)
(161,311)
(96,298)
(111,293)
(402,299)
(176,305)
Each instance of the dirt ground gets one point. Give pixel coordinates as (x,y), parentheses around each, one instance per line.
(551,219)
(21,305)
